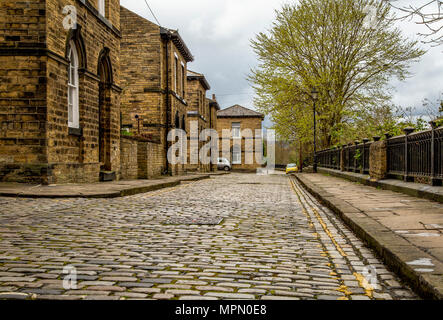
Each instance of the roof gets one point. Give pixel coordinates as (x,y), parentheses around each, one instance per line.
(192,75)
(213,103)
(237,111)
(178,41)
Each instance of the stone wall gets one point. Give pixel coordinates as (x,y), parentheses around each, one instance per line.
(128,158)
(95,37)
(147,74)
(23,153)
(36,144)
(199,105)
(140,158)
(251,123)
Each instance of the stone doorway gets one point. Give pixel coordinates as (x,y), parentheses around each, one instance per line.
(105,103)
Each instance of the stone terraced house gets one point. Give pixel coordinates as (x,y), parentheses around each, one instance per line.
(202,112)
(89,99)
(59,91)
(154,80)
(236,120)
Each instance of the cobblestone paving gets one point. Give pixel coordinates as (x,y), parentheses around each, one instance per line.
(239,236)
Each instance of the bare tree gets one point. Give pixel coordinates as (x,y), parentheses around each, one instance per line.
(428,13)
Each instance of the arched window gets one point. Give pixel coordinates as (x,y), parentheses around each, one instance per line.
(101,7)
(73,110)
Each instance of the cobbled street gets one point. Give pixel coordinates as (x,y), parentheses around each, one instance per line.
(237,236)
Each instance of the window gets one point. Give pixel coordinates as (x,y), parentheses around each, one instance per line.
(183,81)
(176,74)
(236,155)
(236,130)
(73,111)
(177,120)
(101,7)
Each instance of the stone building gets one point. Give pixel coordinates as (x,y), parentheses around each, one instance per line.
(202,114)
(214,107)
(59,90)
(154,81)
(240,125)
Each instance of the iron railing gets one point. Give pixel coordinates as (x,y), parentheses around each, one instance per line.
(329,158)
(416,155)
(352,157)
(410,156)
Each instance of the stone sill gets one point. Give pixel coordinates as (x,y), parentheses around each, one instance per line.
(78,132)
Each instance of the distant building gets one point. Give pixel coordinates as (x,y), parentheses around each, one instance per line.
(238,120)
(198,112)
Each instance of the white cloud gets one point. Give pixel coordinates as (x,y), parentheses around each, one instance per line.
(218,34)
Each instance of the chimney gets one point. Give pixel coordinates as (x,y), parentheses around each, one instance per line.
(213,97)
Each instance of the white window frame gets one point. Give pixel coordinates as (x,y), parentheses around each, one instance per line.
(73,87)
(176,72)
(236,155)
(102,7)
(236,130)
(183,70)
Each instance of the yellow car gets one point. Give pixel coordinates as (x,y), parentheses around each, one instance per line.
(291,168)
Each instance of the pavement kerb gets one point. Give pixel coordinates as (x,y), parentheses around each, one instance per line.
(390,247)
(409,188)
(107,195)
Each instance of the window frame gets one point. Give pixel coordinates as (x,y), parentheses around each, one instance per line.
(236,155)
(102,7)
(234,127)
(73,87)
(183,69)
(176,73)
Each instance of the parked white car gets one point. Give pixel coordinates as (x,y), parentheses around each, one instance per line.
(224,164)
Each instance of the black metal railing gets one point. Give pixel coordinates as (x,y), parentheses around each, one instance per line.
(352,157)
(329,158)
(417,155)
(410,156)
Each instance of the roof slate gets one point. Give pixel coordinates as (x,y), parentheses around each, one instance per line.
(238,111)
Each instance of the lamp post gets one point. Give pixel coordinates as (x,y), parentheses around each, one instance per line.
(314,95)
(137,117)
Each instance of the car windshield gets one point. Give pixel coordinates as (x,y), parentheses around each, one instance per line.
(292,165)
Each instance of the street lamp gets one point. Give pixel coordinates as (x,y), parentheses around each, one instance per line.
(137,117)
(314,95)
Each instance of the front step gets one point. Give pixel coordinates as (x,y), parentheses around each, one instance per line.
(107,176)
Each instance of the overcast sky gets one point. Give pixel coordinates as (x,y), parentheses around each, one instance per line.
(218,35)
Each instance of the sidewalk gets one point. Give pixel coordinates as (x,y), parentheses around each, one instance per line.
(405,231)
(112,189)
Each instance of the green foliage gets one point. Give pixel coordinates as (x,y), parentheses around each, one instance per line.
(326,44)
(126,133)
